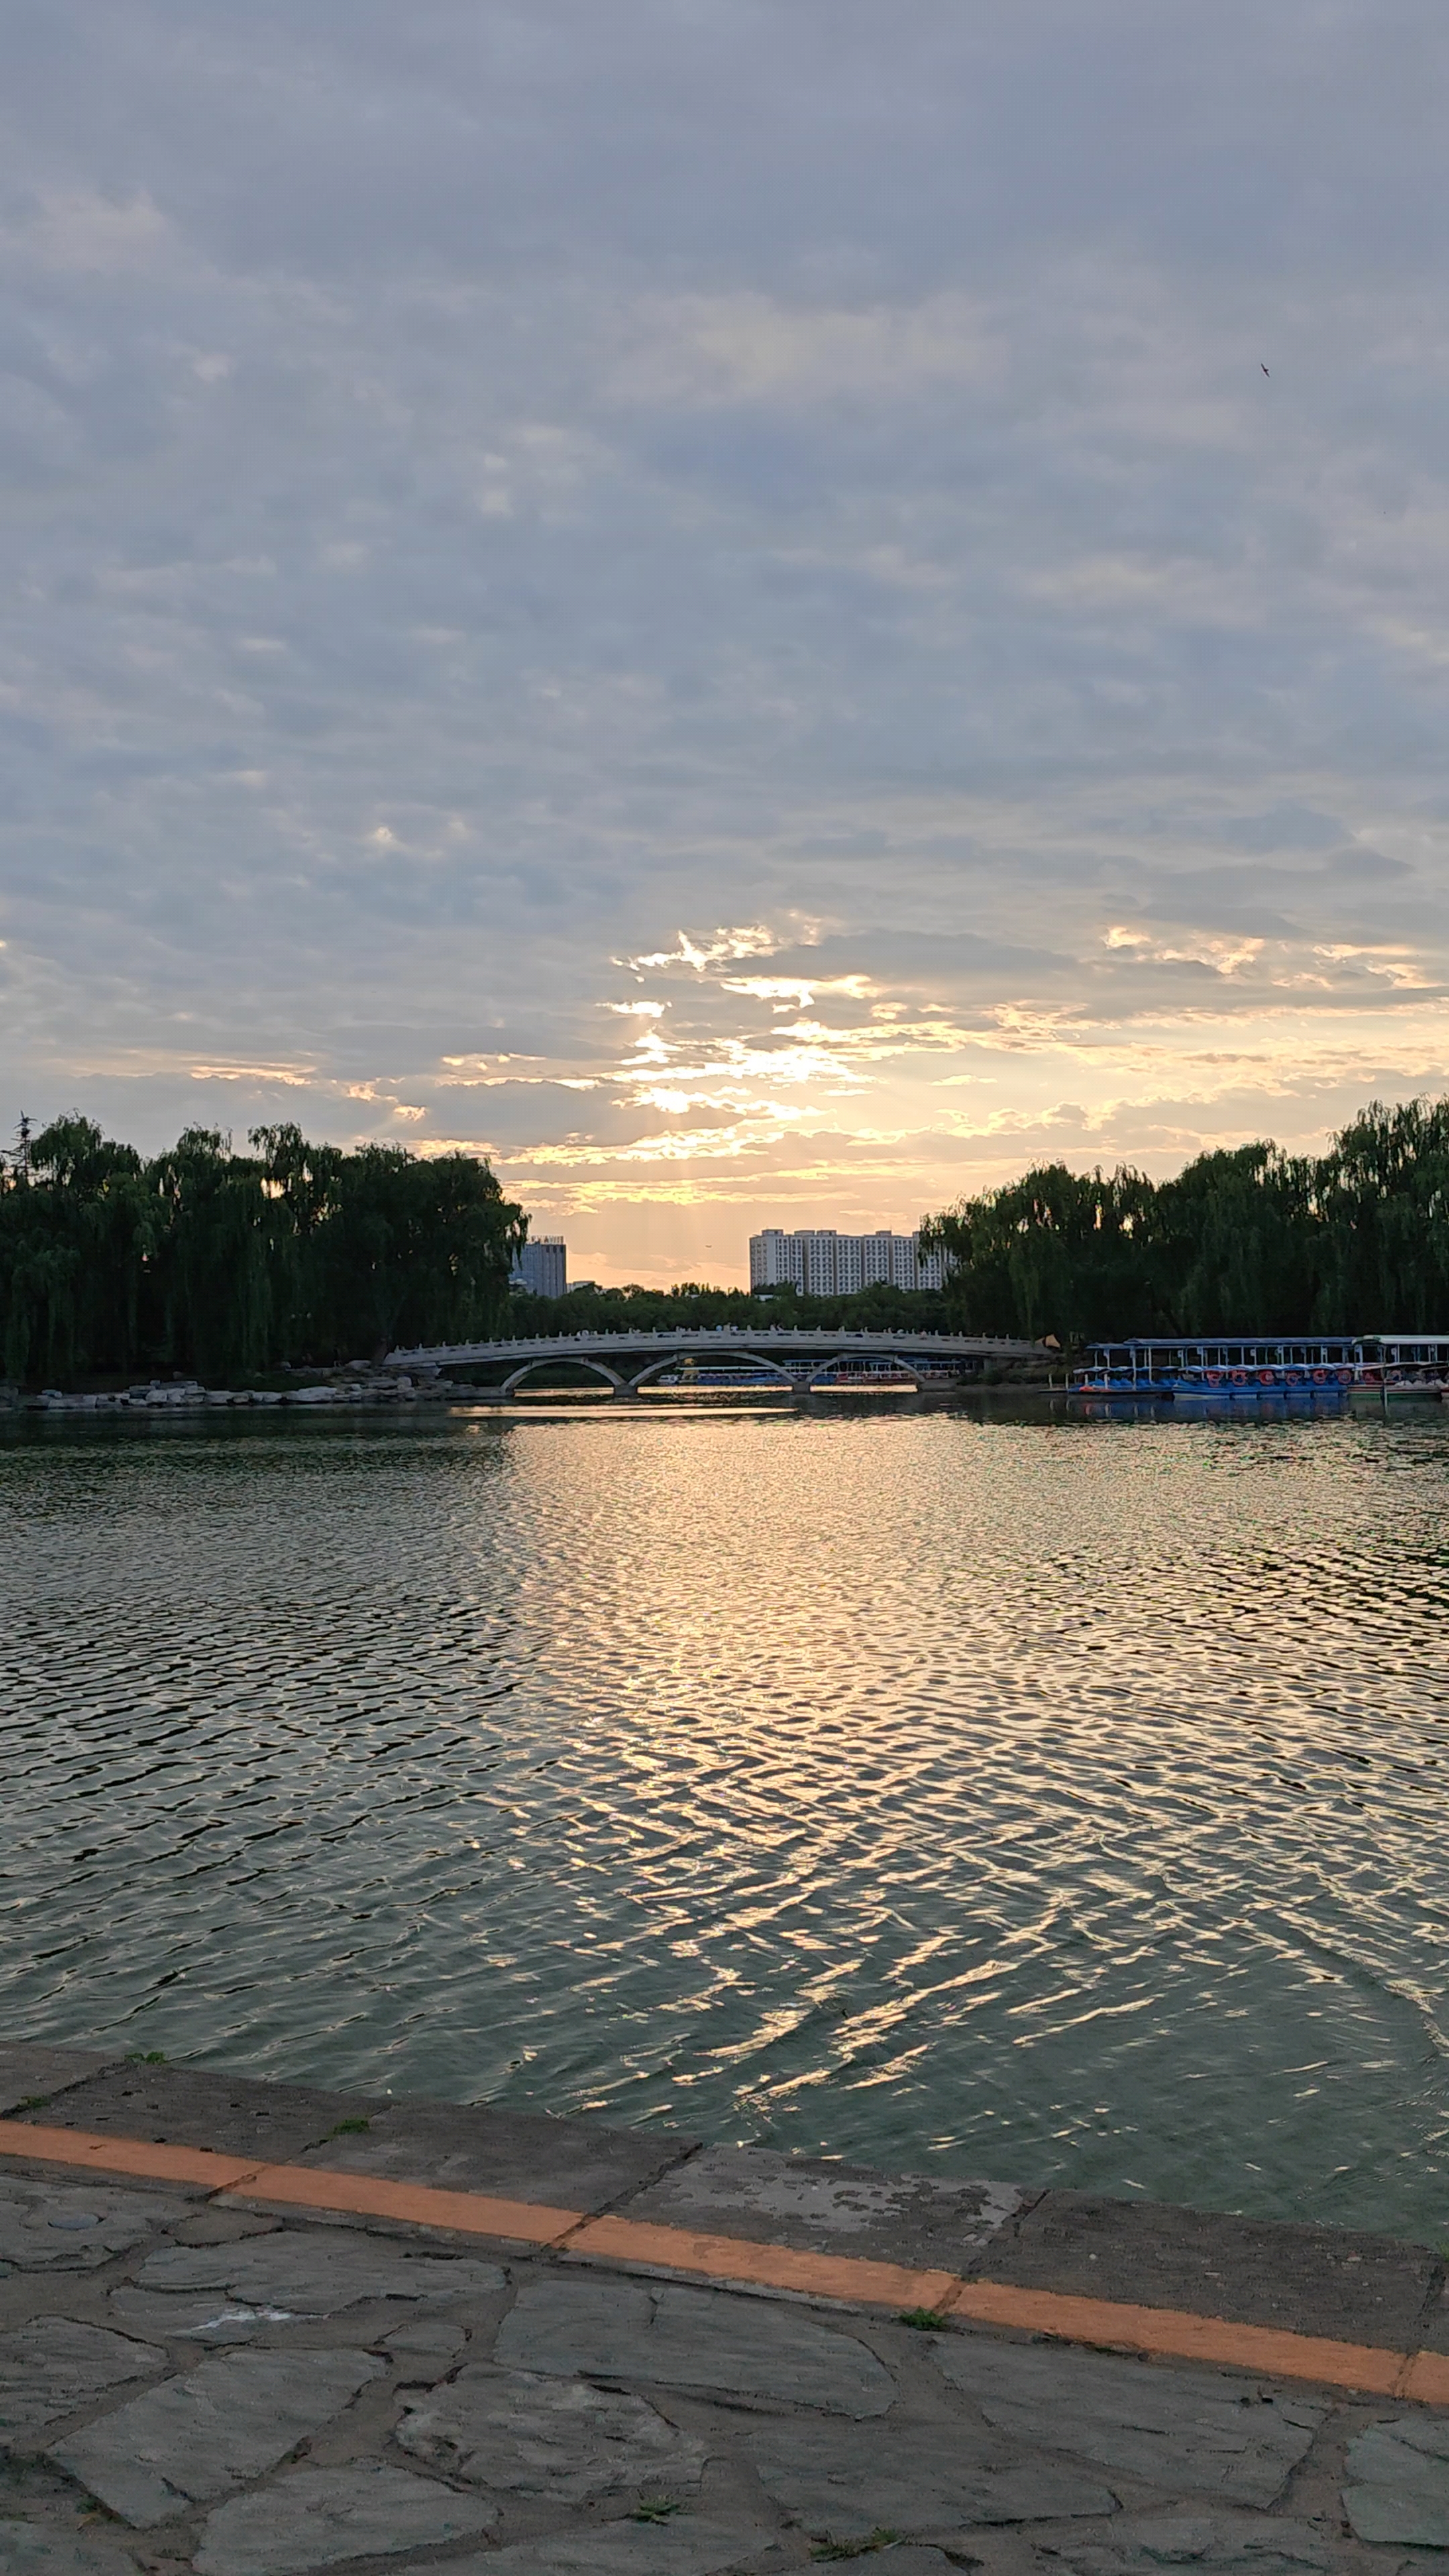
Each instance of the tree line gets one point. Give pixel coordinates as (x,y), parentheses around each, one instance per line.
(230,1264)
(226,1264)
(634,1309)
(1245,1241)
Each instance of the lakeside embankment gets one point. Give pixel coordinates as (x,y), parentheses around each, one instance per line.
(188,1395)
(270,2330)
(681,2205)
(372,1387)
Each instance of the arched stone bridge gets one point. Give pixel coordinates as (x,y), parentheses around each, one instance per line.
(793,1358)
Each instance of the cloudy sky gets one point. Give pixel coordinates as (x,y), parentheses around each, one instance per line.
(711,596)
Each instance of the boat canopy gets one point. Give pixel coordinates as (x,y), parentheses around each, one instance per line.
(1154,1355)
(1410,1350)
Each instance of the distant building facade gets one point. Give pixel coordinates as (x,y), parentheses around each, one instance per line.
(543,1266)
(821,1263)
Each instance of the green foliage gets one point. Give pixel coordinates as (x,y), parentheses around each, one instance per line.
(73,1244)
(1384,1207)
(632,1310)
(228,1264)
(1246,1241)
(1056,1252)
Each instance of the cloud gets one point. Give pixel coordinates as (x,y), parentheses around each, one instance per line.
(728,577)
(752,348)
(753,941)
(87,233)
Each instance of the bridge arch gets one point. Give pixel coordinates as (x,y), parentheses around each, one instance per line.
(691,1351)
(553,1359)
(895,1359)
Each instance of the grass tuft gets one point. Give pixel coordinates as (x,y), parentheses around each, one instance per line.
(349,2129)
(929,2320)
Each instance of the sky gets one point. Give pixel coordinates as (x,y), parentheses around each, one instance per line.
(765,610)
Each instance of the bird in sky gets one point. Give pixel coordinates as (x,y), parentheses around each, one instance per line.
(1260,362)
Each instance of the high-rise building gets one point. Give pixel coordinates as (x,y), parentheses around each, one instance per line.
(542,1265)
(821,1263)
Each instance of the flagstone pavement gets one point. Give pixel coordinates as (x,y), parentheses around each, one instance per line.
(189,2385)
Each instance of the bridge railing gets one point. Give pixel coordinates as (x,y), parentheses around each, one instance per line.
(719,1337)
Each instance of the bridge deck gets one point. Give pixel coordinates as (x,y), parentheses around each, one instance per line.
(774,1342)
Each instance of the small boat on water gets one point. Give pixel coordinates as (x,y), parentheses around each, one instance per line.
(1327,1369)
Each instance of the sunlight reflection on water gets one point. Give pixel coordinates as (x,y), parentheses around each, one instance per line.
(1042,1799)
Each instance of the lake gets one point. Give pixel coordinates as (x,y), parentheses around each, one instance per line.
(973,1793)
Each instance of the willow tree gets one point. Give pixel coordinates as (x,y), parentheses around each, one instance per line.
(416,1250)
(1240,1243)
(1244,1241)
(301,1181)
(76,1232)
(226,1263)
(1069,1253)
(1382,1193)
(215,1287)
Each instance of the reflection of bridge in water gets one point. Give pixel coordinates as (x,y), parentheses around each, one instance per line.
(730,1358)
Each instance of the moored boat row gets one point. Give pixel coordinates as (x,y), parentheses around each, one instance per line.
(1229,1368)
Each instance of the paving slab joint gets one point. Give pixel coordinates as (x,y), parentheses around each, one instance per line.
(632,2191)
(1431,2308)
(1425,2379)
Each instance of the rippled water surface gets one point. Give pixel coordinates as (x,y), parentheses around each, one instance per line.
(1032,1798)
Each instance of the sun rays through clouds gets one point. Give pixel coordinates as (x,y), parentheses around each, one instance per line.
(717,603)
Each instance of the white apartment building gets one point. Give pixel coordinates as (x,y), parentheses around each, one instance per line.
(542,1264)
(821,1263)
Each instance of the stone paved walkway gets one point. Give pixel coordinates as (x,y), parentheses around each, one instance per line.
(192,2381)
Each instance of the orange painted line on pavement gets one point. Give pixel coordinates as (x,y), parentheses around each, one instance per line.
(301,2186)
(1183,2335)
(777,2267)
(144,2159)
(372,2196)
(1178,2334)
(468,2213)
